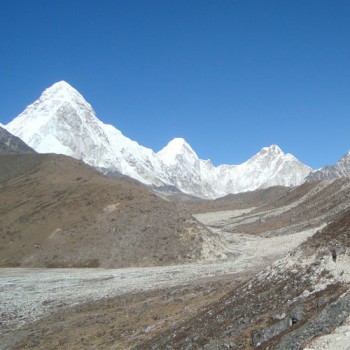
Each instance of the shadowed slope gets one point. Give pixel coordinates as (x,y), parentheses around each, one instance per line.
(12,144)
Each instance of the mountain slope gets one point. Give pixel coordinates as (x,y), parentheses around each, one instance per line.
(287,305)
(340,169)
(57,211)
(62,122)
(12,144)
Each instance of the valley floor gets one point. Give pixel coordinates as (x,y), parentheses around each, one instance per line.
(73,308)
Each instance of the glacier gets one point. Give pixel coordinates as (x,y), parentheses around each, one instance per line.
(62,121)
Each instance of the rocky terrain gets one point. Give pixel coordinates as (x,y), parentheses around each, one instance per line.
(262,269)
(279,280)
(292,301)
(170,294)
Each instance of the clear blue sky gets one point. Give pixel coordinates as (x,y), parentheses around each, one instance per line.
(230,76)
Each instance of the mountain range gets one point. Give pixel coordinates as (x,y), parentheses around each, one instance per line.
(61,121)
(264,269)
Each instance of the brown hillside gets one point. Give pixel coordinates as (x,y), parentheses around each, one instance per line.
(257,198)
(57,211)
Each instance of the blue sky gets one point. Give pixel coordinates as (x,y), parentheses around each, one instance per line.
(229,76)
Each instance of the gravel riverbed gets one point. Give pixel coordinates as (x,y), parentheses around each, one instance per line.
(28,294)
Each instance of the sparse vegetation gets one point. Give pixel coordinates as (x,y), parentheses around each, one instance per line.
(57,212)
(42,203)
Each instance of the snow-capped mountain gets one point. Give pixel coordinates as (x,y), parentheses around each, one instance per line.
(340,169)
(62,121)
(270,167)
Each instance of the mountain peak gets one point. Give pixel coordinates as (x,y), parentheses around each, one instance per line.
(62,121)
(178,143)
(273,149)
(61,85)
(177,146)
(48,124)
(60,96)
(61,91)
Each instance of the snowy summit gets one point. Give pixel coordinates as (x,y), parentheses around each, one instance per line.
(175,148)
(62,121)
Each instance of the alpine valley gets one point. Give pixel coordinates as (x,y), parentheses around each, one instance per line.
(61,121)
(89,261)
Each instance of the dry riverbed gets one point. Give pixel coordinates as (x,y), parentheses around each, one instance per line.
(30,298)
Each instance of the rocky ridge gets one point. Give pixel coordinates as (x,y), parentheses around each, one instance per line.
(339,170)
(12,144)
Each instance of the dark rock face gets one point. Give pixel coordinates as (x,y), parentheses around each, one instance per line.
(336,171)
(323,322)
(268,333)
(12,144)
